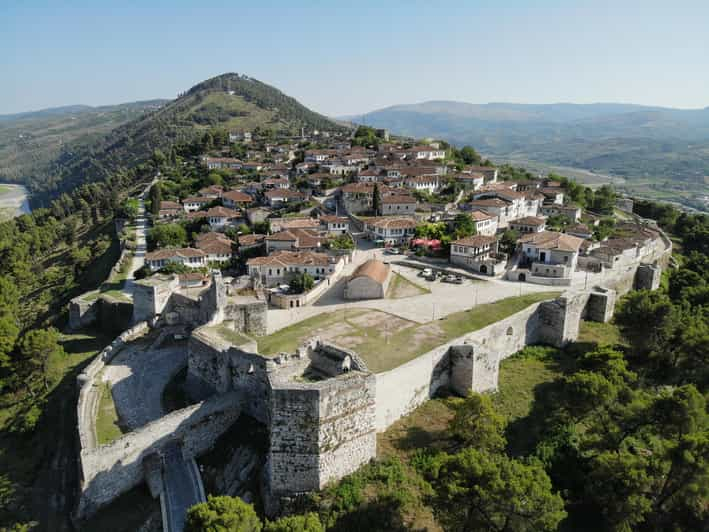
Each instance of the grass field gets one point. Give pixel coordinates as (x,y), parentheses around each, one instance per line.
(386,341)
(107,427)
(229,335)
(400,286)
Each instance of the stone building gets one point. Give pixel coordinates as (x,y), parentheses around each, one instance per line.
(369,281)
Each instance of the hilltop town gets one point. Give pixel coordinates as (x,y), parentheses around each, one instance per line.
(324,286)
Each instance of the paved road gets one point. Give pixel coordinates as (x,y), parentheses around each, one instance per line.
(444,298)
(182,488)
(141,225)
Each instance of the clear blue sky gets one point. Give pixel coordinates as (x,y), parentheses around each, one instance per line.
(350,59)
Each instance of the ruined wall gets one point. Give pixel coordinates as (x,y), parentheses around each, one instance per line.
(114,315)
(249,317)
(113,469)
(151,295)
(82,312)
(648,277)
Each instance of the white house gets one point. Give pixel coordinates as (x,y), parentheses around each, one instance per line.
(195,203)
(280,266)
(550,254)
(390,229)
(193,258)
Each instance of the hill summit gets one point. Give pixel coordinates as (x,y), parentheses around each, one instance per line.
(232,101)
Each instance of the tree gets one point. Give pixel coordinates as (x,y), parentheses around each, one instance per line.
(130,208)
(469,155)
(478,490)
(222,514)
(343,241)
(302,283)
(508,241)
(155,196)
(376,199)
(476,424)
(36,349)
(167,235)
(9,331)
(464,225)
(309,522)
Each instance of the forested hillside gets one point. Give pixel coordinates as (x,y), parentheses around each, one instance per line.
(231,101)
(31,142)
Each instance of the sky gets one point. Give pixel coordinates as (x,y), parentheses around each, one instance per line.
(344,58)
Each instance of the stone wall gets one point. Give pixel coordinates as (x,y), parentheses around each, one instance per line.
(471,362)
(648,277)
(249,317)
(113,469)
(82,312)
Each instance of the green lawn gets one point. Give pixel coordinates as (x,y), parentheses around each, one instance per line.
(385,341)
(4,189)
(107,427)
(229,335)
(400,286)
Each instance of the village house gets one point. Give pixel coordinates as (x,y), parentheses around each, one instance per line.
(550,253)
(219,163)
(397,204)
(169,209)
(335,224)
(573,212)
(371,175)
(471,181)
(280,266)
(426,152)
(580,231)
(276,183)
(553,195)
(477,253)
(212,191)
(190,257)
(195,203)
(236,199)
(390,230)
(485,223)
(220,217)
(217,246)
(318,156)
(490,173)
(304,222)
(279,197)
(295,240)
(251,241)
(528,224)
(429,184)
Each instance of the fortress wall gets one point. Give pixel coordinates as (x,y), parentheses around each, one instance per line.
(82,312)
(113,469)
(347,435)
(249,318)
(402,389)
(320,431)
(293,456)
(89,394)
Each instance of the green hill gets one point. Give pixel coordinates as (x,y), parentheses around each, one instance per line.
(231,101)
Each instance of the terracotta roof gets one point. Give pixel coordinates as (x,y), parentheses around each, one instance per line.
(480,216)
(552,240)
(197,199)
(476,241)
(170,205)
(283,193)
(250,240)
(222,212)
(305,238)
(237,196)
(398,198)
(215,247)
(331,218)
(391,222)
(291,258)
(295,223)
(167,253)
(374,269)
(528,220)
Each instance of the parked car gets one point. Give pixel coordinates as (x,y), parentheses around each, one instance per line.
(393,251)
(426,272)
(431,275)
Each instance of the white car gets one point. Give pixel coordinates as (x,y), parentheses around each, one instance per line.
(426,272)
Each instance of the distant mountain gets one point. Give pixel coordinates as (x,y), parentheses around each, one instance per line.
(640,143)
(232,101)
